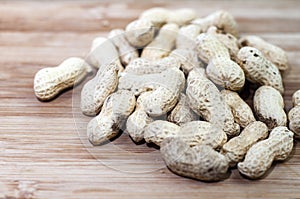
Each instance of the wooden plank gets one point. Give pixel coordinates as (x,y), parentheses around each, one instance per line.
(44,151)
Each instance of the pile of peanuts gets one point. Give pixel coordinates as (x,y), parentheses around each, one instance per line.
(191,70)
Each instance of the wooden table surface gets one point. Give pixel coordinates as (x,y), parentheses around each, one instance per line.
(44,153)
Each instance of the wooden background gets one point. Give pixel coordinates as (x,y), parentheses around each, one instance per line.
(43,149)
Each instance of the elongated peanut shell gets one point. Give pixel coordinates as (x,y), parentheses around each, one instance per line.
(49,82)
(200,162)
(268,106)
(241,111)
(273,53)
(236,148)
(261,155)
(258,69)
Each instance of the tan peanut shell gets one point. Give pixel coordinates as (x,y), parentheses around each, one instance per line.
(103,52)
(236,148)
(162,44)
(139,33)
(241,111)
(200,162)
(227,39)
(117,107)
(269,107)
(258,69)
(261,155)
(205,99)
(96,90)
(141,66)
(273,53)
(194,133)
(296,98)
(187,58)
(186,38)
(294,115)
(182,113)
(221,19)
(49,82)
(127,53)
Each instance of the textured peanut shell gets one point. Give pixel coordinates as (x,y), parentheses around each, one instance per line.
(187,58)
(103,52)
(261,155)
(236,148)
(141,66)
(162,44)
(127,52)
(186,38)
(205,99)
(221,19)
(117,107)
(269,107)
(225,73)
(96,90)
(294,120)
(139,33)
(209,47)
(200,162)
(227,39)
(241,111)
(182,113)
(258,69)
(296,98)
(273,53)
(49,82)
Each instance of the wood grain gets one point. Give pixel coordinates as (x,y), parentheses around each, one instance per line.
(44,153)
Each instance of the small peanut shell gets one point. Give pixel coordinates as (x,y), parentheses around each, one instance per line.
(294,115)
(268,106)
(221,19)
(236,148)
(49,82)
(273,53)
(296,98)
(261,155)
(127,53)
(181,16)
(241,111)
(162,44)
(186,38)
(200,162)
(258,69)
(157,16)
(140,32)
(96,90)
(205,99)
(117,107)
(182,113)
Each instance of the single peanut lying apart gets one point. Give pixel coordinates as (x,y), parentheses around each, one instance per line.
(49,82)
(260,156)
(199,162)
(294,114)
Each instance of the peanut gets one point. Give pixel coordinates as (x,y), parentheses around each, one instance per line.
(139,33)
(117,107)
(236,148)
(162,44)
(49,82)
(182,113)
(194,133)
(268,106)
(294,114)
(96,90)
(220,69)
(141,66)
(221,19)
(127,53)
(205,99)
(157,16)
(241,111)
(273,53)
(187,36)
(260,156)
(258,69)
(200,162)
